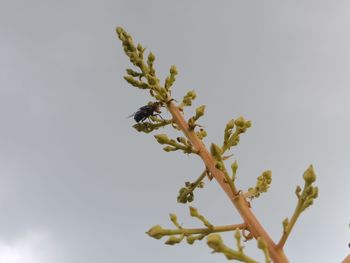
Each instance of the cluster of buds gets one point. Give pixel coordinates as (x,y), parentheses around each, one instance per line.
(215,242)
(180,233)
(306,197)
(310,192)
(148,127)
(199,113)
(187,99)
(186,193)
(145,78)
(181,143)
(231,136)
(263,183)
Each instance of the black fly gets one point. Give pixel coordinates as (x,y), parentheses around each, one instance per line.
(151,109)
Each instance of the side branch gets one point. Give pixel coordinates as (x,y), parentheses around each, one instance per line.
(193,231)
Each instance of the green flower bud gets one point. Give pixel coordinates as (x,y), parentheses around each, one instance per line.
(248,124)
(119,30)
(169,149)
(156,232)
(240,121)
(173,70)
(151,80)
(161,138)
(215,242)
(192,94)
(261,243)
(190,239)
(238,234)
(200,111)
(193,211)
(234,167)
(216,151)
(309,175)
(174,240)
(151,57)
(230,125)
(173,217)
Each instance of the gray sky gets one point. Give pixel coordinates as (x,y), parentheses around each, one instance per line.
(78,184)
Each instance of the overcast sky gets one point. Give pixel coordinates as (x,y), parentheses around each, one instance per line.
(78,184)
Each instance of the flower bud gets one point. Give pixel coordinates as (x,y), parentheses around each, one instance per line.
(309,175)
(174,240)
(200,111)
(261,243)
(230,125)
(156,232)
(173,70)
(240,121)
(151,57)
(161,138)
(214,241)
(169,149)
(216,151)
(193,211)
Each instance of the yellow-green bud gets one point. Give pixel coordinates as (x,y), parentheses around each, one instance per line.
(230,125)
(119,30)
(191,239)
(161,138)
(240,121)
(173,217)
(216,151)
(192,94)
(174,240)
(173,70)
(309,175)
(200,111)
(238,234)
(169,149)
(156,232)
(234,167)
(261,243)
(214,241)
(151,57)
(193,211)
(267,176)
(151,80)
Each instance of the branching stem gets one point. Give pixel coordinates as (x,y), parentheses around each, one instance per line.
(193,231)
(254,226)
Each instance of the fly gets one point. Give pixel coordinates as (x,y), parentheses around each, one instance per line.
(151,109)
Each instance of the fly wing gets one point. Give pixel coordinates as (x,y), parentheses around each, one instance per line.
(132,115)
(143,109)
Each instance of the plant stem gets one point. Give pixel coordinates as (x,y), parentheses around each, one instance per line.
(237,199)
(290,225)
(193,231)
(347,259)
